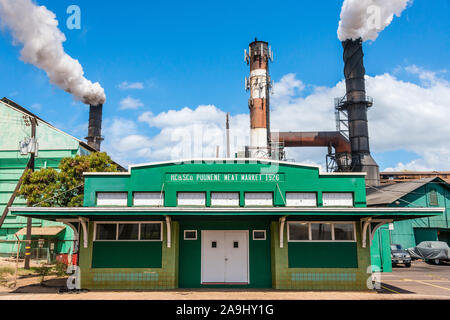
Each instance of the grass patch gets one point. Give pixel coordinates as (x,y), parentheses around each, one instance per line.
(6,270)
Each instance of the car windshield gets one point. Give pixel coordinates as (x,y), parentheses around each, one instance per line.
(396,247)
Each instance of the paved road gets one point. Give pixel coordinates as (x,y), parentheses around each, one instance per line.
(420,282)
(421,278)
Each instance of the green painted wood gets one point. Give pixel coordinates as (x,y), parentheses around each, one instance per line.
(190,251)
(132,254)
(322,255)
(157,178)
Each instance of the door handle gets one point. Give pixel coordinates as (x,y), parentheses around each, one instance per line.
(226,259)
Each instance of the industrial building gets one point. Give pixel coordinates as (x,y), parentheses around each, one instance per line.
(51,146)
(431,192)
(251,222)
(244,223)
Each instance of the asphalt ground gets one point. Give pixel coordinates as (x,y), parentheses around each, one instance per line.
(419,282)
(420,279)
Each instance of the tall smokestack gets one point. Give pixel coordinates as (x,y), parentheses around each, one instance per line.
(259,84)
(356,104)
(94,138)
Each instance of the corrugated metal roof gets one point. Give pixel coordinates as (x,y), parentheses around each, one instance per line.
(15,105)
(388,194)
(46,231)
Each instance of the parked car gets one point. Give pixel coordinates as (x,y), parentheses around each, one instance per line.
(400,256)
(431,251)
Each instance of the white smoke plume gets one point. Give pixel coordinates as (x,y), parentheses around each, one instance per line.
(367,18)
(36,28)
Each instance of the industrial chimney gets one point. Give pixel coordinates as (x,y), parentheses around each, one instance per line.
(259,84)
(94,138)
(356,104)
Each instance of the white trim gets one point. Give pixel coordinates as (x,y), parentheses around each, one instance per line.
(169,232)
(225,160)
(265,235)
(84,225)
(282,222)
(196,235)
(127,222)
(309,223)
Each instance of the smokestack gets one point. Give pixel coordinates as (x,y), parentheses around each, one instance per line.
(356,105)
(94,138)
(259,84)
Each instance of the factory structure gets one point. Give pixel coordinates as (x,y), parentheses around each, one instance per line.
(251,222)
(349,148)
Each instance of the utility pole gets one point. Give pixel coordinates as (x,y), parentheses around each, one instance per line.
(30,220)
(228,135)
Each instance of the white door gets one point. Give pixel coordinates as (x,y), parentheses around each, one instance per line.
(225,256)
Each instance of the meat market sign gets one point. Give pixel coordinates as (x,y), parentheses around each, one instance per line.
(224,177)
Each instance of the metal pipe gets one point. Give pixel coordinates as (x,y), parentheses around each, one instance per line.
(94,138)
(315,139)
(356,105)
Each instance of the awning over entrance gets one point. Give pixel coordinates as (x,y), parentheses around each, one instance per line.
(46,231)
(102,213)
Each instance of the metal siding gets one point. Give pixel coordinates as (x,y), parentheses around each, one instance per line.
(112,199)
(152,199)
(297,199)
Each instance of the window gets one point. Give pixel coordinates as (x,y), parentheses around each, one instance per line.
(259,235)
(151,231)
(298,231)
(190,234)
(344,231)
(197,199)
(128,231)
(321,231)
(149,199)
(259,199)
(119,199)
(225,199)
(106,232)
(338,199)
(434,198)
(301,199)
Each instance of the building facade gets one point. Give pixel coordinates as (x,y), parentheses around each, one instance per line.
(238,223)
(54,145)
(432,192)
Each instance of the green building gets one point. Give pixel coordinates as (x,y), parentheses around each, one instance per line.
(238,223)
(54,145)
(424,193)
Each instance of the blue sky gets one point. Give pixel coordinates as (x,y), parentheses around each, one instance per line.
(187,54)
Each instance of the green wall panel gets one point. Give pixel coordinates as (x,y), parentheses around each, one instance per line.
(422,234)
(190,251)
(133,254)
(322,255)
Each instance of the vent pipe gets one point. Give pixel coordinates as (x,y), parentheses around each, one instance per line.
(94,138)
(356,104)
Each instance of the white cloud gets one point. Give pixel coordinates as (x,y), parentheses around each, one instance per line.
(405,116)
(130,103)
(133,85)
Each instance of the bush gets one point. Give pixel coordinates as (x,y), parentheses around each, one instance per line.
(43,271)
(60,269)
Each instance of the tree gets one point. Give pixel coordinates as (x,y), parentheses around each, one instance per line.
(63,187)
